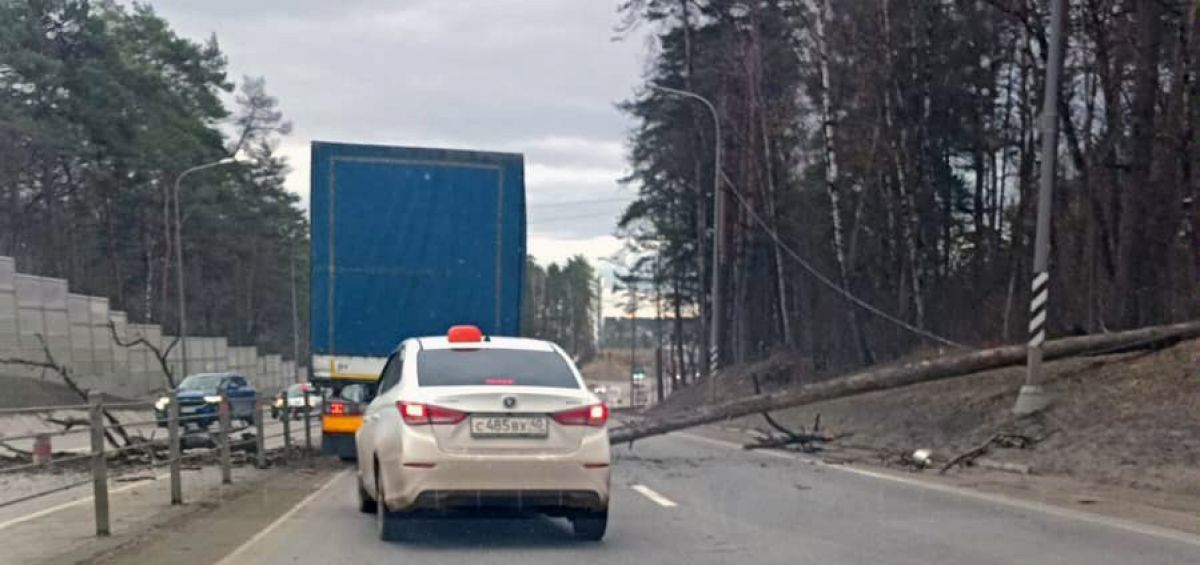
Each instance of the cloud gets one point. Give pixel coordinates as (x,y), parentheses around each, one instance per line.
(539,176)
(539,77)
(554,150)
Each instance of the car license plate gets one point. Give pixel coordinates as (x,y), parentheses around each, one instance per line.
(189,409)
(509,426)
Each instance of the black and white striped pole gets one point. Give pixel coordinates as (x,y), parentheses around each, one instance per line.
(1033,397)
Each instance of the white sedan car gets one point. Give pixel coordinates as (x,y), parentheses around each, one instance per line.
(467,422)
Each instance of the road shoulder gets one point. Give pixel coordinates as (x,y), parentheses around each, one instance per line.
(226,524)
(1161,514)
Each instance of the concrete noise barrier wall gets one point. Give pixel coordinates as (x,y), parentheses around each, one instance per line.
(41,321)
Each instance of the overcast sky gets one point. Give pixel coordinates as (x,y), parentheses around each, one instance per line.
(539,77)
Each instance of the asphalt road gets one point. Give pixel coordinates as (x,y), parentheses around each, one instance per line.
(683,499)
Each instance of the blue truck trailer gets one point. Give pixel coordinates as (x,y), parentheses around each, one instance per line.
(408,241)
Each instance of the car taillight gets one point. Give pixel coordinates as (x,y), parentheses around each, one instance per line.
(417,414)
(341,408)
(594,415)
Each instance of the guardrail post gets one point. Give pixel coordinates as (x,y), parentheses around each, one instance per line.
(287,428)
(223,438)
(260,444)
(173,447)
(307,422)
(99,464)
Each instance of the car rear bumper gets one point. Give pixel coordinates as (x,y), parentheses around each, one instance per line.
(549,501)
(425,475)
(331,424)
(497,483)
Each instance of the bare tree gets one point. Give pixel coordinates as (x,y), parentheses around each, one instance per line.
(160,354)
(67,377)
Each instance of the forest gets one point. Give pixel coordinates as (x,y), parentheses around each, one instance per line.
(560,305)
(879,165)
(102,108)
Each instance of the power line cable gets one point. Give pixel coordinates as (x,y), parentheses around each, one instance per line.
(805,264)
(827,281)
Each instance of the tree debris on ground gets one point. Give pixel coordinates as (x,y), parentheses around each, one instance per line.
(1003,440)
(806,441)
(65,375)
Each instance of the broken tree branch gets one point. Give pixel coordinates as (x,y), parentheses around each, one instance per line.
(159,354)
(67,423)
(1008,440)
(969,455)
(17,450)
(64,373)
(894,376)
(805,441)
(767,415)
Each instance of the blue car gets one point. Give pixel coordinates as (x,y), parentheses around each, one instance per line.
(199,395)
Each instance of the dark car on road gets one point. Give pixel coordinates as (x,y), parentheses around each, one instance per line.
(200,394)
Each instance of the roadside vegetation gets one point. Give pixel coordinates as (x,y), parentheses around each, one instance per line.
(102,107)
(890,145)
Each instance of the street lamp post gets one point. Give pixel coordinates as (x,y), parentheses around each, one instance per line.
(179,257)
(714,347)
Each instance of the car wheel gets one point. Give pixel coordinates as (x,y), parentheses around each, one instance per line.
(590,525)
(366,504)
(390,525)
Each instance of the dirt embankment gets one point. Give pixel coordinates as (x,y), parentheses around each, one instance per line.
(1128,420)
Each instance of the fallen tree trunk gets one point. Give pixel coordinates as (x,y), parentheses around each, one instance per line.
(882,378)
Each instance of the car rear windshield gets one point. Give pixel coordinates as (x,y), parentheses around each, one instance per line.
(459,367)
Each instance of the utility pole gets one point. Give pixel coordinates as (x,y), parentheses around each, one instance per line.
(295,317)
(632,343)
(714,340)
(599,313)
(658,325)
(1033,397)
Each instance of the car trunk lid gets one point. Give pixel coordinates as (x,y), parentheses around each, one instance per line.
(507,420)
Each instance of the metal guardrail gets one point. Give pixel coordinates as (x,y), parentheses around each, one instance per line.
(41,409)
(99,452)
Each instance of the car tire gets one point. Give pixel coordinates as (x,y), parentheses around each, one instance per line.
(590,525)
(366,504)
(390,525)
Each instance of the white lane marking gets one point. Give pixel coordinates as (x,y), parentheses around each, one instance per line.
(1057,511)
(232,557)
(654,496)
(66,505)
